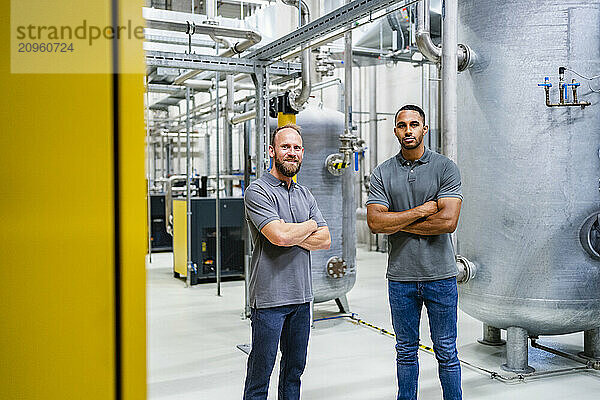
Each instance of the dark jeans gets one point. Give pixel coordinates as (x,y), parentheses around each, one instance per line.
(289,325)
(440,298)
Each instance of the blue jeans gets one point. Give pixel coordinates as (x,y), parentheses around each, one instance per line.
(289,325)
(441,299)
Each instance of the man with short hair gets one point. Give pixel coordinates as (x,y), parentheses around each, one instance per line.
(415,198)
(286,225)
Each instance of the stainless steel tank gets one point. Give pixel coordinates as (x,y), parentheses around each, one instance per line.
(530,173)
(321,128)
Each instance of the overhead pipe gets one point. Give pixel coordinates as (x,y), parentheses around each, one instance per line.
(430,50)
(423,36)
(248,115)
(299,97)
(182,41)
(217,33)
(228,131)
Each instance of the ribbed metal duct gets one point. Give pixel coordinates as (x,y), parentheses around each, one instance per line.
(529,172)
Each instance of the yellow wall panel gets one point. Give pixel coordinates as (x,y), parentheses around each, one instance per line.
(57,315)
(180,237)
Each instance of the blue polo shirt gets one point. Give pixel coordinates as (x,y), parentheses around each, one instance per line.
(400,185)
(279,275)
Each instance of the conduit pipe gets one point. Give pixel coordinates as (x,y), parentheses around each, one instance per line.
(299,97)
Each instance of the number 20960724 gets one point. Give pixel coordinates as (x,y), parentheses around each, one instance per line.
(50,47)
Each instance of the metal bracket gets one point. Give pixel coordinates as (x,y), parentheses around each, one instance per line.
(216,63)
(336,19)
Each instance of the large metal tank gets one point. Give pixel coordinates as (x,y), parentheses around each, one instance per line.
(530,173)
(321,129)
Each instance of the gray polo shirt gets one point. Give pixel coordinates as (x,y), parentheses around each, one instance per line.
(400,185)
(279,275)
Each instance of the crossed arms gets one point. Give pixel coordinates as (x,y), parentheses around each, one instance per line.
(307,235)
(430,218)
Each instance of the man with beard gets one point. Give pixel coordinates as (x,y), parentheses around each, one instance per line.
(415,198)
(286,225)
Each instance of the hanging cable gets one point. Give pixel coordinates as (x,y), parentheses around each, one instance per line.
(589,79)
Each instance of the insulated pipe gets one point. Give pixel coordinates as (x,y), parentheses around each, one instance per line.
(423,37)
(348,201)
(449,79)
(211,9)
(297,99)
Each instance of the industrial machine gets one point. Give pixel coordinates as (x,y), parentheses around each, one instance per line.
(530,172)
(321,129)
(160,239)
(203,238)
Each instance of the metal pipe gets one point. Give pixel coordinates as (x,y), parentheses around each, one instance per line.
(149,200)
(228,131)
(326,84)
(222,42)
(466,269)
(179,153)
(423,37)
(348,201)
(183,41)
(373,135)
(465,56)
(211,9)
(215,32)
(218,192)
(359,155)
(246,230)
(297,99)
(449,79)
(247,116)
(188,195)
(207,149)
(594,364)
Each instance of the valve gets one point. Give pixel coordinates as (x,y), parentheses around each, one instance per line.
(563,92)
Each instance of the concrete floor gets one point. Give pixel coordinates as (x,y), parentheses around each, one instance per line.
(192,354)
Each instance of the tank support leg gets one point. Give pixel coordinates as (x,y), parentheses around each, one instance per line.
(491,336)
(591,344)
(342,303)
(517,351)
